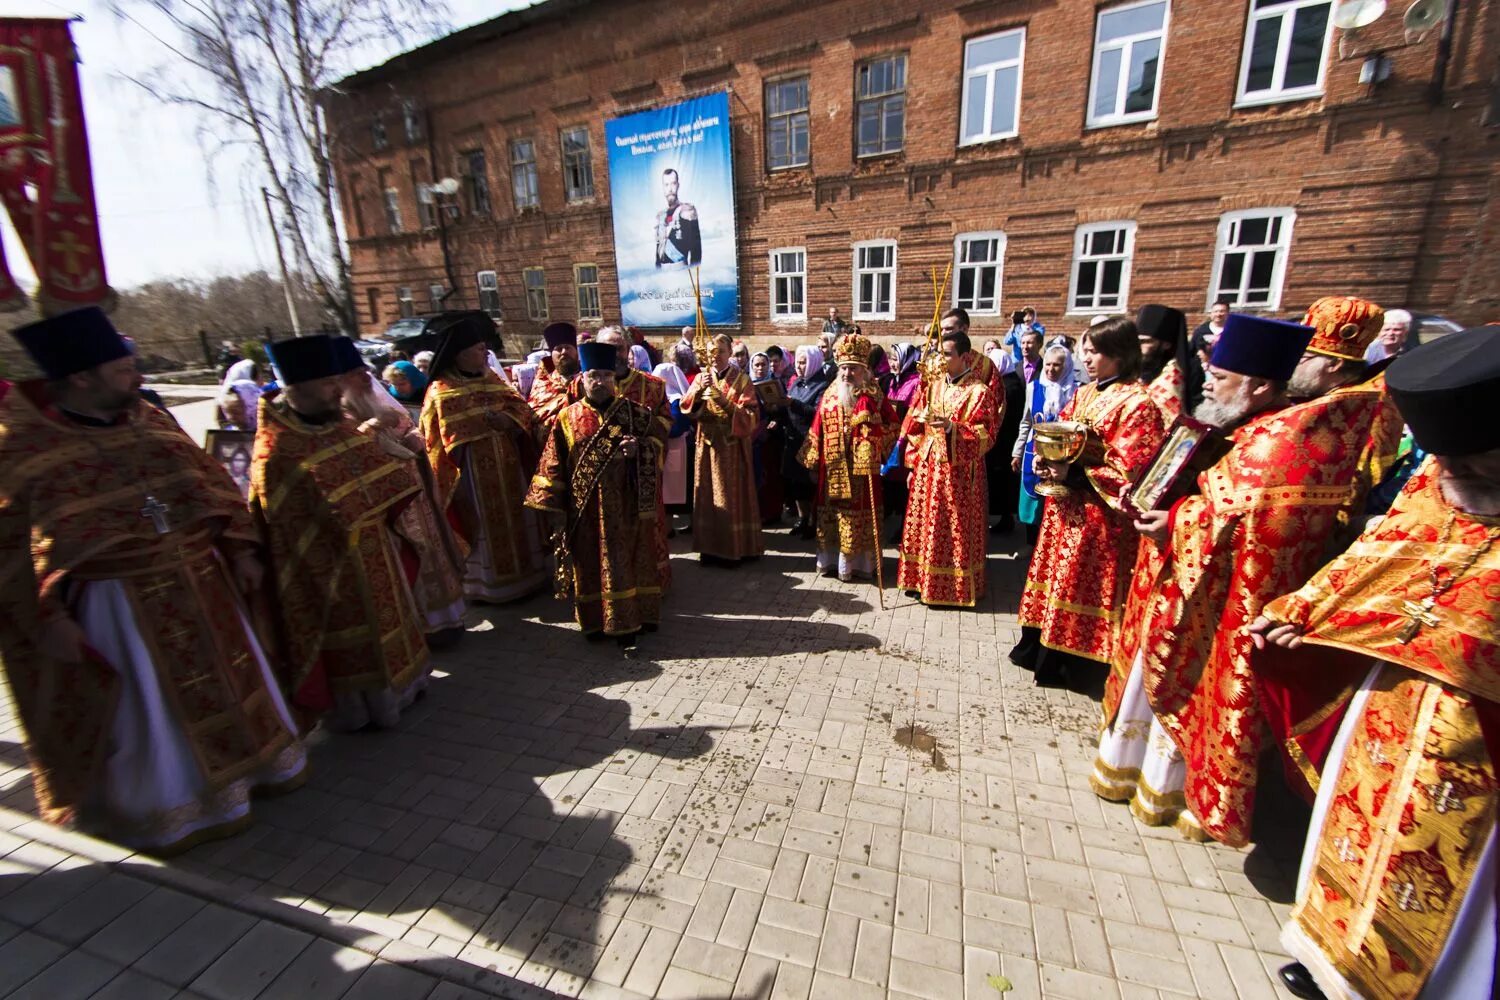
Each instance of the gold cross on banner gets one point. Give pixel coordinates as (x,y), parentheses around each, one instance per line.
(71,249)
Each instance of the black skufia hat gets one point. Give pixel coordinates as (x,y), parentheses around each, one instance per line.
(454,332)
(1446,391)
(72,342)
(303,359)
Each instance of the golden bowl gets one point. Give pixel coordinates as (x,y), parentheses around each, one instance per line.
(1059,441)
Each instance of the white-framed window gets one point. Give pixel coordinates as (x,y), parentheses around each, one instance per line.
(977,262)
(523,182)
(789,285)
(404,303)
(1250,257)
(586,285)
(578,163)
(1286,48)
(992,86)
(1102,254)
(435,296)
(391,198)
(875,279)
(788,124)
(489,292)
(880,92)
(1128,45)
(534,280)
(411,120)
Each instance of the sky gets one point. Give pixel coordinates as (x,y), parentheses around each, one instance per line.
(164,211)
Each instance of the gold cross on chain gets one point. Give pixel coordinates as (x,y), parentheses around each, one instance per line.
(1420,614)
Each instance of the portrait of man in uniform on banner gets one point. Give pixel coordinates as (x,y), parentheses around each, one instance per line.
(679,242)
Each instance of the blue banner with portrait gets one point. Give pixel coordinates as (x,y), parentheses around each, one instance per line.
(671,185)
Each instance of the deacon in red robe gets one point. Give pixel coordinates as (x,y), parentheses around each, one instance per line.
(852,431)
(149,705)
(554,376)
(327,499)
(483,442)
(1085,552)
(1395,647)
(599,480)
(950,426)
(726,514)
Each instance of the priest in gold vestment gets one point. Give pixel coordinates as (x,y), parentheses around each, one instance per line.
(726,513)
(327,498)
(484,442)
(1394,647)
(149,703)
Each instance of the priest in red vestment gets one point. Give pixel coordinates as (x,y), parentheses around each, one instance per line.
(1085,552)
(722,402)
(148,702)
(852,431)
(327,499)
(554,376)
(1394,647)
(951,425)
(483,442)
(599,481)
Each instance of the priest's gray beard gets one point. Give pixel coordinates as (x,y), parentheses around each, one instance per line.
(1470,494)
(846,396)
(1227,414)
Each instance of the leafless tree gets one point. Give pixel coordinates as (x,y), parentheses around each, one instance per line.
(254,69)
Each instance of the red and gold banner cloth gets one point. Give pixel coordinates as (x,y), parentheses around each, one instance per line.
(612,502)
(479,426)
(845,449)
(726,511)
(46,180)
(1415,791)
(1260,526)
(326,498)
(550,392)
(1166,391)
(76,504)
(947,508)
(1085,551)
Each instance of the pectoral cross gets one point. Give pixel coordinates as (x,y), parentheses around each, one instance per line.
(1406,897)
(1420,614)
(1346,850)
(1442,797)
(157,512)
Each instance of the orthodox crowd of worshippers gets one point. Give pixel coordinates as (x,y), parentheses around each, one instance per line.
(1275,540)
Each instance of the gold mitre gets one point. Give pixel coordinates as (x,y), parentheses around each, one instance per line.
(852,349)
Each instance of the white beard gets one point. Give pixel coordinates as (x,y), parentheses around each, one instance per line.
(1226,415)
(846,397)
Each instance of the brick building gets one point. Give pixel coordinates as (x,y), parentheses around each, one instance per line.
(1077,156)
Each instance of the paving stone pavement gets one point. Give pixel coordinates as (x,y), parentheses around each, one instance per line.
(727,814)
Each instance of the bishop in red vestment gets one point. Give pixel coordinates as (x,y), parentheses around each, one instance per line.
(726,513)
(148,701)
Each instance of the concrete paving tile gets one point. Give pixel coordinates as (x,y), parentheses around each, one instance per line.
(184,953)
(388,981)
(132,985)
(251,962)
(323,969)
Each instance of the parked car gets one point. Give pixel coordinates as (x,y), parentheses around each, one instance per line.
(376,348)
(1426,327)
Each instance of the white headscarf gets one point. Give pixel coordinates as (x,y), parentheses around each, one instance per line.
(1055,395)
(239,379)
(640,358)
(1003,359)
(677,383)
(814,356)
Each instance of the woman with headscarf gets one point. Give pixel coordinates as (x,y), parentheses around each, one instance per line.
(908,378)
(405,382)
(811,379)
(770,438)
(239,397)
(640,358)
(880,369)
(1046,396)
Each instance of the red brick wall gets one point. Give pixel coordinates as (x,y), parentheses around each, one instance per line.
(1396,199)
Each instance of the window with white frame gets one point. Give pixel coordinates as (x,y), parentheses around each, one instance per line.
(404,302)
(1251,256)
(1102,253)
(523,182)
(1286,43)
(992,86)
(787,123)
(392,201)
(411,120)
(489,292)
(875,280)
(977,259)
(435,296)
(534,280)
(789,284)
(1128,45)
(880,89)
(578,164)
(586,284)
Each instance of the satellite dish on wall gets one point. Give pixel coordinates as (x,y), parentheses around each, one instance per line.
(1422,16)
(1352,15)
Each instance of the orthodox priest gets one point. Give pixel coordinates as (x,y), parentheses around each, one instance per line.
(598,482)
(1396,895)
(950,426)
(483,442)
(726,515)
(327,499)
(852,431)
(1164,357)
(554,376)
(149,705)
(1085,552)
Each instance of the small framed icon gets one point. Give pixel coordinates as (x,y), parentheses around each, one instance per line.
(232,450)
(1191,446)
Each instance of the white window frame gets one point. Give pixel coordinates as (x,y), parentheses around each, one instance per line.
(405,304)
(538,309)
(579,286)
(391,202)
(435,296)
(523,175)
(1125,45)
(791,118)
(578,165)
(890,313)
(488,281)
(782,312)
(1277,93)
(989,70)
(1282,246)
(960,265)
(1080,241)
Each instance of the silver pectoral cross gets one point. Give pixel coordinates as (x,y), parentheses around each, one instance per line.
(1419,615)
(157,512)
